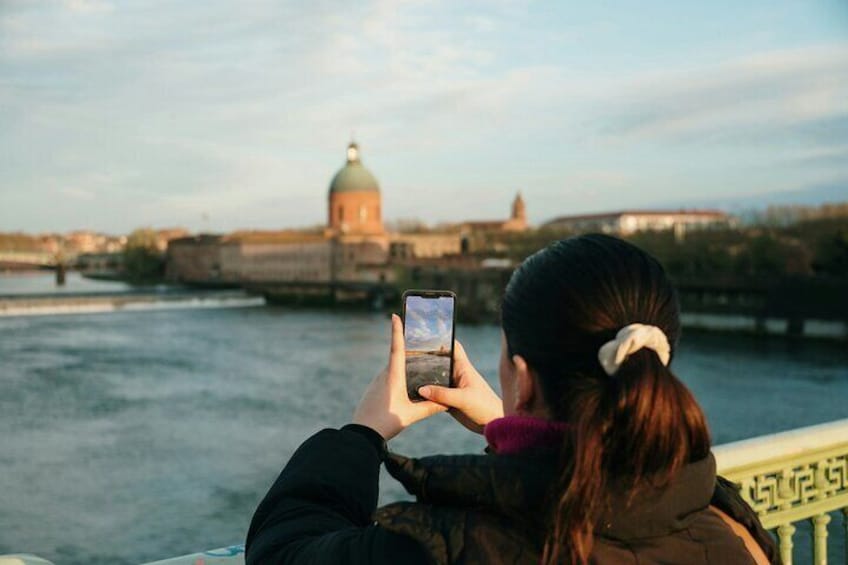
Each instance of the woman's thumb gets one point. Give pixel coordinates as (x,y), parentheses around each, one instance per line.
(451,397)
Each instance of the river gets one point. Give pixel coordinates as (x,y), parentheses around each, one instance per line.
(133,436)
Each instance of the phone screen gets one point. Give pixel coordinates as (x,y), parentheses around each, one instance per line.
(428,328)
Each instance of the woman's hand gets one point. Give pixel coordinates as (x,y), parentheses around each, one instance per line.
(385,407)
(472,402)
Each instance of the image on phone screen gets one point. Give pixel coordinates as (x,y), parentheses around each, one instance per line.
(428,337)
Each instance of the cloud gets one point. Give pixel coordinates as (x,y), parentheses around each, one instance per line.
(243,113)
(837,154)
(78,193)
(413,320)
(756,93)
(427,324)
(442,328)
(88,6)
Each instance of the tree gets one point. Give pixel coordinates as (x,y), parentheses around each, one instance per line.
(143,262)
(832,255)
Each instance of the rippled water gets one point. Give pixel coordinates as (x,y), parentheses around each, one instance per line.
(133,436)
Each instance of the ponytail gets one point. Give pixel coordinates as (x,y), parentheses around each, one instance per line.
(637,428)
(582,484)
(632,423)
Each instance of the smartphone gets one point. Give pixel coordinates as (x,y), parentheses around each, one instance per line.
(429,319)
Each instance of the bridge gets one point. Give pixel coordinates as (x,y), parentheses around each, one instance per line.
(35,259)
(794,480)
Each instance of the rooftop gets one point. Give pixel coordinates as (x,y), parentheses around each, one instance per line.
(275,236)
(618,214)
(353,177)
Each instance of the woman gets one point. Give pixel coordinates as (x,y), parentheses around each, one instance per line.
(597,452)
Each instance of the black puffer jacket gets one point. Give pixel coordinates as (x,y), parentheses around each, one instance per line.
(475,509)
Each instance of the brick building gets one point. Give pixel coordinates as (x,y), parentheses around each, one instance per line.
(353,247)
(630,221)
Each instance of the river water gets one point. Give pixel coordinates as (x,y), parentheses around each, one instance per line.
(133,436)
(44,282)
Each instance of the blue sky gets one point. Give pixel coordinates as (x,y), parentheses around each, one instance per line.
(221,115)
(427,323)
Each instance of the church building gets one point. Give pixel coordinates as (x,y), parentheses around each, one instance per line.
(353,248)
(354,199)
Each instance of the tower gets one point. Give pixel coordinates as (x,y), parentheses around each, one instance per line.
(354,198)
(518,218)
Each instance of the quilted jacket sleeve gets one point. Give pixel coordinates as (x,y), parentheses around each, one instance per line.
(320,508)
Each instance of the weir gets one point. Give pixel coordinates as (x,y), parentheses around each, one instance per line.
(88,303)
(788,478)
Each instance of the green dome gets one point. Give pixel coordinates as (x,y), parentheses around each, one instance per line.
(353,177)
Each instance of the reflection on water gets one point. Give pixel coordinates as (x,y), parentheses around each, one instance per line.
(134,436)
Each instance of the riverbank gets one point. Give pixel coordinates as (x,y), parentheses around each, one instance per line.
(140,300)
(752,325)
(712,310)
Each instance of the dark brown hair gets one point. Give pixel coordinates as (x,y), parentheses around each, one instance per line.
(635,428)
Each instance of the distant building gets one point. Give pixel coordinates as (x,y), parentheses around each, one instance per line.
(82,241)
(354,199)
(352,248)
(194,259)
(163,236)
(290,256)
(517,220)
(424,245)
(79,242)
(630,221)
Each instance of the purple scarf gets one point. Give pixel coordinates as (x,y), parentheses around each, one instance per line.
(514,434)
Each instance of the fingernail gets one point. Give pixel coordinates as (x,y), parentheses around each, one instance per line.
(424,391)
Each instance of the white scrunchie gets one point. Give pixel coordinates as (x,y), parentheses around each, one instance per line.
(631,339)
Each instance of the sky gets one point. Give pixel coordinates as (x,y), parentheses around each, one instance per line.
(428,323)
(221,115)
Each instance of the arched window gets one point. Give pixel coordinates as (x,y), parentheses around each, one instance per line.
(341,213)
(363,213)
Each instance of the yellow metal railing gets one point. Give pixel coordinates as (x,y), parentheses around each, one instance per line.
(793,476)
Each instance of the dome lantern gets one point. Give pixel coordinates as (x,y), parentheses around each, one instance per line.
(353,152)
(353,177)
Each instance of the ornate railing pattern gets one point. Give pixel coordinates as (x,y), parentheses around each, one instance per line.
(793,476)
